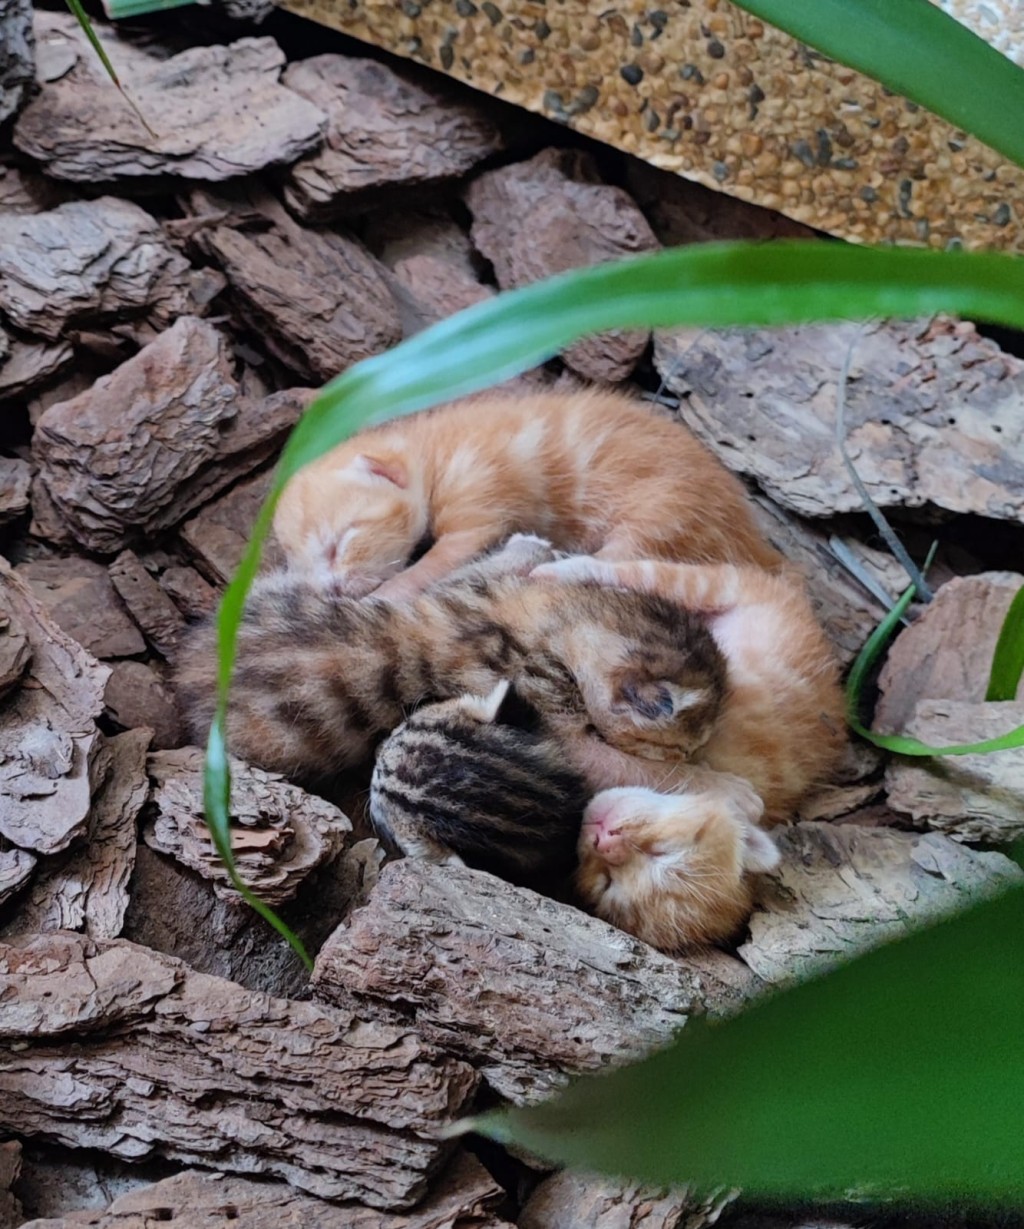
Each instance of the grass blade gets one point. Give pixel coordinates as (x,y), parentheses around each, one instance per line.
(712,284)
(900,1074)
(82,17)
(914,48)
(1008,659)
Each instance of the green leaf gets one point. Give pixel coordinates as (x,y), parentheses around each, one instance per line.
(712,284)
(82,17)
(1008,659)
(915,49)
(899,1074)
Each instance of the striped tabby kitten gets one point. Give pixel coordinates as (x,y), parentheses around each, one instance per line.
(321,677)
(479,781)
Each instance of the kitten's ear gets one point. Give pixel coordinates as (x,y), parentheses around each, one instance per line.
(503,705)
(391,470)
(760,852)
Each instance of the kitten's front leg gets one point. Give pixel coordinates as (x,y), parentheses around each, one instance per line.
(448,553)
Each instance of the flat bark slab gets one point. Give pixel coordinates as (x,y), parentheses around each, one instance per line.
(28,364)
(88,261)
(932,412)
(17,61)
(50,749)
(218,535)
(590,1201)
(16,867)
(217,112)
(192,595)
(842,888)
(15,484)
(78,596)
(158,437)
(529,990)
(24,190)
(135,697)
(462,1197)
(968,797)
(151,608)
(11,1215)
(117,1048)
(385,127)
(946,653)
(550,214)
(88,889)
(317,298)
(279,832)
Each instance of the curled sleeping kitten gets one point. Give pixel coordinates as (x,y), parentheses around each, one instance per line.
(320,677)
(478,781)
(592,471)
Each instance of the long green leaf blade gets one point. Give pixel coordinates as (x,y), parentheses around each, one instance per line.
(916,49)
(1008,659)
(900,1074)
(713,284)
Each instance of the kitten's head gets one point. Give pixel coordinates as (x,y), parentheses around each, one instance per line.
(673,869)
(357,520)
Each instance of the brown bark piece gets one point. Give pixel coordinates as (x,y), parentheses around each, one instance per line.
(161,621)
(317,298)
(968,797)
(218,112)
(219,534)
(384,127)
(155,439)
(15,651)
(135,696)
(946,654)
(23,190)
(15,483)
(460,1199)
(843,888)
(16,867)
(89,890)
(192,595)
(10,1167)
(589,1201)
(28,364)
(50,749)
(533,219)
(527,989)
(88,261)
(17,62)
(932,412)
(279,832)
(80,599)
(111,1045)
(56,1181)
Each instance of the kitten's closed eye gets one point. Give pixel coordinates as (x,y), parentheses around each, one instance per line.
(657,699)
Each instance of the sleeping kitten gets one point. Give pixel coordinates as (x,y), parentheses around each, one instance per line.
(479,781)
(593,471)
(321,677)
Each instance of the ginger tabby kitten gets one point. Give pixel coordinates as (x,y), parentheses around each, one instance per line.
(594,472)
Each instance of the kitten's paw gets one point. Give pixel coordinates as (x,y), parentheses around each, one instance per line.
(521,554)
(574,569)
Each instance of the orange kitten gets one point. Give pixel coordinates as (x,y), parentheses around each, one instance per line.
(592,471)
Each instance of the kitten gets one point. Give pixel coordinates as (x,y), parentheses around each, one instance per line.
(593,471)
(321,677)
(781,726)
(479,780)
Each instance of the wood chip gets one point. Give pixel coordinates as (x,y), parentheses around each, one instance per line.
(842,888)
(16,867)
(158,437)
(89,261)
(150,607)
(589,1201)
(11,1215)
(30,364)
(551,990)
(15,483)
(56,1181)
(78,595)
(219,534)
(932,412)
(218,112)
(385,126)
(533,219)
(17,62)
(89,890)
(193,596)
(946,653)
(279,832)
(336,1107)
(317,298)
(50,749)
(461,1197)
(968,797)
(15,651)
(23,190)
(136,697)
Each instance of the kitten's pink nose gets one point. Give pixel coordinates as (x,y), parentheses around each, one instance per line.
(606,840)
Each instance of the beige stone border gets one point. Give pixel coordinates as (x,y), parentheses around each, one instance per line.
(702,89)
